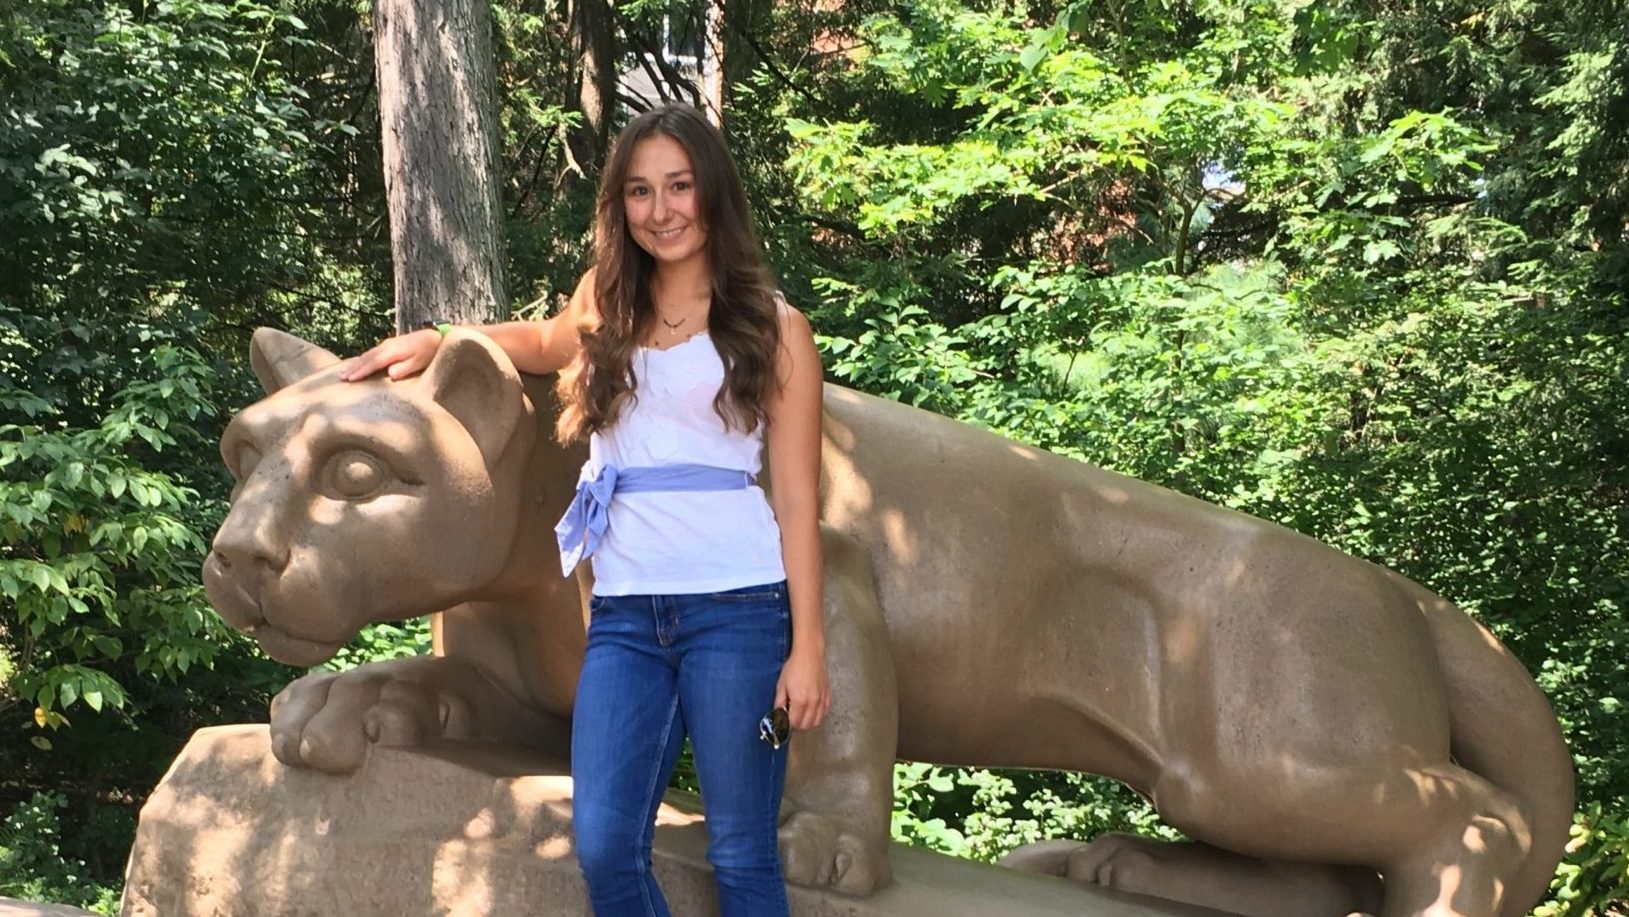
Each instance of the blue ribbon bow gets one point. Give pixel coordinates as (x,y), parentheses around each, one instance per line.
(587,519)
(582,528)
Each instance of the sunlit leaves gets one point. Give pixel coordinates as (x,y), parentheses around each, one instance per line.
(96,549)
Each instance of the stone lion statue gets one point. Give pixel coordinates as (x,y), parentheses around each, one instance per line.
(1332,736)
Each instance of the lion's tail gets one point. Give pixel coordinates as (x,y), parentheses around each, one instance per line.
(1503,729)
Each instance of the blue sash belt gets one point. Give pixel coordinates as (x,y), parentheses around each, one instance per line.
(582,528)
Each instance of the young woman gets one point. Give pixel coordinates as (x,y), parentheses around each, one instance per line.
(682,366)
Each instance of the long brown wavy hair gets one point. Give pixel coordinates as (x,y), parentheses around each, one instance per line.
(742,320)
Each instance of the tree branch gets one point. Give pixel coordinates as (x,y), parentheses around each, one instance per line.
(1394,208)
(653,55)
(769,64)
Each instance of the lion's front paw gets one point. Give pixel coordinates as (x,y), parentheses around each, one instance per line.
(818,851)
(1118,861)
(1049,858)
(328,720)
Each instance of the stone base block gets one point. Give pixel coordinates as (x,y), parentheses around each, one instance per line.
(462,831)
(11,907)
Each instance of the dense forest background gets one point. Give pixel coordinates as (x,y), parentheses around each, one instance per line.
(1355,266)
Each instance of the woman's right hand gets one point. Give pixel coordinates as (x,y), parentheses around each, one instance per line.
(400,356)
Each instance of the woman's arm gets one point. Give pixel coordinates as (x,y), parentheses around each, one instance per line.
(793,441)
(534,347)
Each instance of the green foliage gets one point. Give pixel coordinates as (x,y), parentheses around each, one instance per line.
(986,814)
(1594,878)
(170,168)
(142,149)
(98,554)
(378,642)
(32,866)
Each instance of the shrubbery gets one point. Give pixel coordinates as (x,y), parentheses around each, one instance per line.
(33,868)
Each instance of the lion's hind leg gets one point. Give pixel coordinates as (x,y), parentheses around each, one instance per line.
(1473,843)
(1194,873)
(1447,842)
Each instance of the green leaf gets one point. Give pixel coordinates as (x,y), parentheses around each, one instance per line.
(1032,55)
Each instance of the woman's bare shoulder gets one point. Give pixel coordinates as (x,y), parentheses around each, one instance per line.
(794,325)
(582,306)
(791,320)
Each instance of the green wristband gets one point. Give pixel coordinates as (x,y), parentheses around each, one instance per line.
(441,326)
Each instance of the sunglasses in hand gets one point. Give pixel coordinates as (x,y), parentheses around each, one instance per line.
(775,728)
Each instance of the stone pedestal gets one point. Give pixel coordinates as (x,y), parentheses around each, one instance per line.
(465,831)
(11,907)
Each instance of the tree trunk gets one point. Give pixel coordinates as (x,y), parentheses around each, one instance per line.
(593,48)
(438,126)
(712,62)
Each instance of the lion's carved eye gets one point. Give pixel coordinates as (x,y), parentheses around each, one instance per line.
(354,475)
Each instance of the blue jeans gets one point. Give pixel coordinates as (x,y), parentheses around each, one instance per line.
(659,667)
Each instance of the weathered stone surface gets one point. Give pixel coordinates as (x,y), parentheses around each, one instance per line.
(471,830)
(10,907)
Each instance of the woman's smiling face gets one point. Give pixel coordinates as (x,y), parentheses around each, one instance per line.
(661,203)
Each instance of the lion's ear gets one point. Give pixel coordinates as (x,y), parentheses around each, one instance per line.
(280,359)
(475,382)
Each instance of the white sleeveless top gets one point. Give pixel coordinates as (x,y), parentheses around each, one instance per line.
(682,542)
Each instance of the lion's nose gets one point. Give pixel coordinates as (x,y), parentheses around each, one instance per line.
(250,545)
